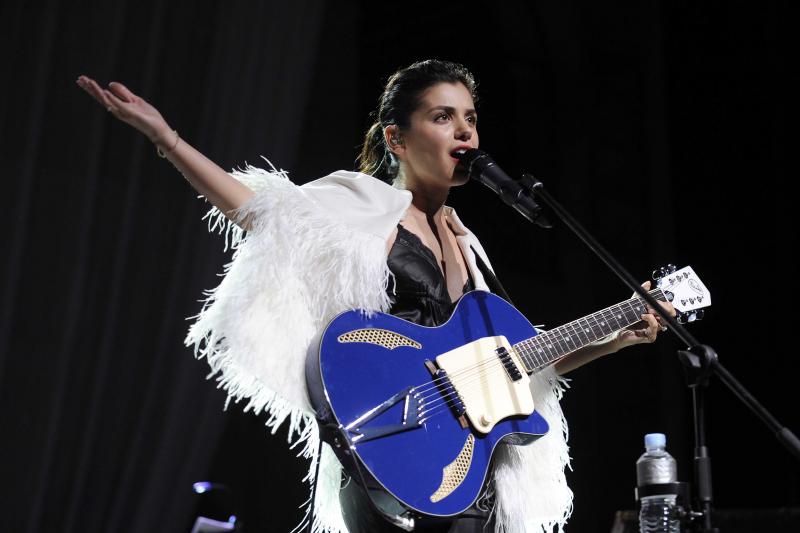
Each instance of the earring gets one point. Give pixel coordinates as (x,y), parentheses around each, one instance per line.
(395,140)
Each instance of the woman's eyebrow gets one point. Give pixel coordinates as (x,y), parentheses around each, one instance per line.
(449,109)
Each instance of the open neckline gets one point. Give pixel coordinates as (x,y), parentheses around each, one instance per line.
(431,257)
(425,248)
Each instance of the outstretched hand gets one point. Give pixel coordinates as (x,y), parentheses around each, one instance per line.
(128,107)
(646,330)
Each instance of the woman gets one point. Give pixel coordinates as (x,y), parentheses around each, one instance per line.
(351,241)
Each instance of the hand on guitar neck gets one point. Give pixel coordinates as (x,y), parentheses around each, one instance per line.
(642,332)
(647,330)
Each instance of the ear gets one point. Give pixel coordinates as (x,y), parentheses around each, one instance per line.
(394,139)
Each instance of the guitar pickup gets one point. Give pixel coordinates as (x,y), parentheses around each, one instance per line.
(508,363)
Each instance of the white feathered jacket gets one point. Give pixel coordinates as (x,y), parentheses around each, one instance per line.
(312,252)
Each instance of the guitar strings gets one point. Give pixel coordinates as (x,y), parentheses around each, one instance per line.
(475,373)
(450,397)
(467,376)
(435,409)
(562,334)
(464,382)
(447,400)
(555,336)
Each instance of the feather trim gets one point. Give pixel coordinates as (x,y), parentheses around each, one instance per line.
(255,326)
(532,495)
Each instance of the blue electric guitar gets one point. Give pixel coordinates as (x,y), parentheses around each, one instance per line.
(422,409)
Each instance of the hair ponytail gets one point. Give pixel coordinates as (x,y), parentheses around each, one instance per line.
(374,154)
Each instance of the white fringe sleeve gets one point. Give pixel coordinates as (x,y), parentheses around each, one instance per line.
(291,273)
(532,495)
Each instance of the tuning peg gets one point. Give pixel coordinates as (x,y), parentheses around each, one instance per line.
(684,317)
(664,271)
(688,316)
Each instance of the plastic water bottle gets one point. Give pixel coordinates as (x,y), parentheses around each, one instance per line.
(659,512)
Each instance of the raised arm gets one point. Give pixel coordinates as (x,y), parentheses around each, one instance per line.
(219,187)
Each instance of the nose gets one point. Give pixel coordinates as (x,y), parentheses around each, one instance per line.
(463,131)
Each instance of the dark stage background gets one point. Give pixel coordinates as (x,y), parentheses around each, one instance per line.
(662,126)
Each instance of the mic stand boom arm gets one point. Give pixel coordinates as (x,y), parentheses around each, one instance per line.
(700,361)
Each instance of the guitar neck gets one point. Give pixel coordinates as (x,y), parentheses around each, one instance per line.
(549,346)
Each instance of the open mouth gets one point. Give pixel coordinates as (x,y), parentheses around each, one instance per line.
(458,153)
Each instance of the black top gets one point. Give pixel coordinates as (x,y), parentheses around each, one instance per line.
(419,292)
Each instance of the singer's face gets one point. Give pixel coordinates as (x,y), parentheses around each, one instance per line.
(444,121)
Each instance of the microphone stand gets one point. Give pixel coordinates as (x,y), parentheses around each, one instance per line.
(700,361)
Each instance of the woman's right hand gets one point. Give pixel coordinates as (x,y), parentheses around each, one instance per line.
(129,108)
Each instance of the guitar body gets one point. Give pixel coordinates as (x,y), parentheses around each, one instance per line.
(433,465)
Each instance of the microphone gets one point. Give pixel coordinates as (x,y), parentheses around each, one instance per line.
(482,168)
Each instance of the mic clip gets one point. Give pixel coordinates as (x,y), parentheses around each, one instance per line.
(533,212)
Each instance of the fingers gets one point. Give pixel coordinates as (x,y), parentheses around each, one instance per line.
(646,333)
(116,102)
(667,306)
(112,101)
(91,87)
(645,286)
(98,93)
(122,92)
(651,331)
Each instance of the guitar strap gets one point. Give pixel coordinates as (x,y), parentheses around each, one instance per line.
(491,280)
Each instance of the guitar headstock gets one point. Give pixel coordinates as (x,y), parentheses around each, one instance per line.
(685,290)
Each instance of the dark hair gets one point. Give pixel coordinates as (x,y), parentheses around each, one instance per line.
(399,100)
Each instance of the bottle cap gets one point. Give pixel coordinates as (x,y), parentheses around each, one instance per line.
(655,440)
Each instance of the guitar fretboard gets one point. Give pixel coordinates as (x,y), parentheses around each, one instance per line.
(549,346)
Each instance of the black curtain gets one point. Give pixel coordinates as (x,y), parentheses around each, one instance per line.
(662,126)
(107,419)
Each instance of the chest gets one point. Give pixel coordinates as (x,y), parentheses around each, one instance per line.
(438,245)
